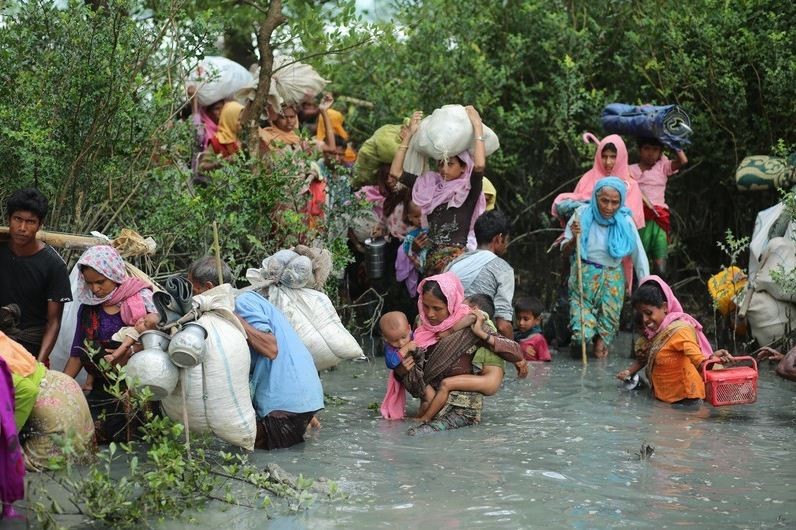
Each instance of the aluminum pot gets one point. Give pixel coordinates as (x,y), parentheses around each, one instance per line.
(374,257)
(188,347)
(151,367)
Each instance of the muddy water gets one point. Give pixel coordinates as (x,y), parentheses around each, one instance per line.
(554,451)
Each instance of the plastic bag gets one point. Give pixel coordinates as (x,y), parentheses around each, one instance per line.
(446,133)
(217,78)
(377,150)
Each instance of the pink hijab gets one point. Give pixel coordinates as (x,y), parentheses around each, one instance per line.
(621,169)
(132,295)
(451,287)
(675,312)
(431,190)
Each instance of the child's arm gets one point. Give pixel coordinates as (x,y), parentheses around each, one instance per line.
(486,384)
(530,353)
(681,160)
(503,347)
(465,322)
(126,346)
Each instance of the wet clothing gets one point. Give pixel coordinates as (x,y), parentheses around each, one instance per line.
(533,338)
(31,282)
(461,410)
(281,429)
(603,295)
(674,360)
(290,382)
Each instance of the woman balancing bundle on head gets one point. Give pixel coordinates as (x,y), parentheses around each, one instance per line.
(673,347)
(607,237)
(450,198)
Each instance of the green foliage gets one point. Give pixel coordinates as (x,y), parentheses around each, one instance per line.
(541,71)
(732,246)
(159,477)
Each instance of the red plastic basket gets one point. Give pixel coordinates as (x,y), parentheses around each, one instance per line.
(731,386)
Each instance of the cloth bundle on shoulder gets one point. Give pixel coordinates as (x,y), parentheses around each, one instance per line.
(668,123)
(767,173)
(217,397)
(286,279)
(379,149)
(217,78)
(446,133)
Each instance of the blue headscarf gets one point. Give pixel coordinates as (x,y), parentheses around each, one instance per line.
(621,236)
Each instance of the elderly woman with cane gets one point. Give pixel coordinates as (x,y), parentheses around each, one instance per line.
(609,249)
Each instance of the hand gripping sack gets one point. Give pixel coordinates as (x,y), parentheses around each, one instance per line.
(317,323)
(446,133)
(217,391)
(217,78)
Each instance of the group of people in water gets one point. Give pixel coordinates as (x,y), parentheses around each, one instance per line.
(448,346)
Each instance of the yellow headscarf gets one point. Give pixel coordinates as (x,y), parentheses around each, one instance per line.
(228,122)
(336,118)
(490,194)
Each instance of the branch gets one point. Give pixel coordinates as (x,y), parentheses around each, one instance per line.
(325,53)
(251,114)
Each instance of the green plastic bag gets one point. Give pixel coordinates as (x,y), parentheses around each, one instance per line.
(377,150)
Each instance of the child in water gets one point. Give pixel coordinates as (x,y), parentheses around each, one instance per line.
(529,329)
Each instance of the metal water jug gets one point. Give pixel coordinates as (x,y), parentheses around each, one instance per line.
(374,257)
(151,367)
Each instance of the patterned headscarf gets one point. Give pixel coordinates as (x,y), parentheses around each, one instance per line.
(621,233)
(133,295)
(451,287)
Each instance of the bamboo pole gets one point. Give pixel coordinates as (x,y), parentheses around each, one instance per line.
(61,239)
(580,296)
(217,247)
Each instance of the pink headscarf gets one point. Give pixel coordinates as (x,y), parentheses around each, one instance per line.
(431,190)
(211,127)
(134,296)
(675,312)
(451,287)
(585,186)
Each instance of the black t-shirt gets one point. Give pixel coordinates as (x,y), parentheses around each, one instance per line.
(32,281)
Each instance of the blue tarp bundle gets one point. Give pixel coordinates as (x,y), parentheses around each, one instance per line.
(668,123)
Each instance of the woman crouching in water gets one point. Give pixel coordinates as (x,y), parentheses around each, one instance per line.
(673,349)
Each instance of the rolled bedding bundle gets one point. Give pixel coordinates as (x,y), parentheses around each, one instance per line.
(766,173)
(668,123)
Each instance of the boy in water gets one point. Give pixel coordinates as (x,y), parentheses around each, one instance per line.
(652,173)
(529,329)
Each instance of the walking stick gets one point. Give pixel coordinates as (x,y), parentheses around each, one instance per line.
(580,295)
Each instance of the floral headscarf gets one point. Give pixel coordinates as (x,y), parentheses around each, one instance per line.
(133,295)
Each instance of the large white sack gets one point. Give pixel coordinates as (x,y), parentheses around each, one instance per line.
(294,80)
(217,391)
(446,133)
(63,344)
(768,317)
(317,323)
(217,78)
(779,256)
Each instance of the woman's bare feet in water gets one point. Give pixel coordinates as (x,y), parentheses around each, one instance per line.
(600,348)
(314,424)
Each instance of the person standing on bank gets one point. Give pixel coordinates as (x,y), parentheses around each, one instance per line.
(34,276)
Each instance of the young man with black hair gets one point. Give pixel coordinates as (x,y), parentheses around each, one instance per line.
(34,277)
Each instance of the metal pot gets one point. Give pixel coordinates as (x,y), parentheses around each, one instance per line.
(152,368)
(155,339)
(188,347)
(374,257)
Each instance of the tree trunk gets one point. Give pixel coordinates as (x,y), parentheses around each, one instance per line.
(251,114)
